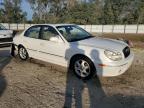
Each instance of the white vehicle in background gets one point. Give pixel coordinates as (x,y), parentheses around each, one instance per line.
(5,33)
(6,37)
(70,46)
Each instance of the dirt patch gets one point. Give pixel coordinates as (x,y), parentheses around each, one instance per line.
(36,84)
(132,37)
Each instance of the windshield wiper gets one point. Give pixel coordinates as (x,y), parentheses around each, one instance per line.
(81,39)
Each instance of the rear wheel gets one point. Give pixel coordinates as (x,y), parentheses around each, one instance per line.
(83,67)
(22,52)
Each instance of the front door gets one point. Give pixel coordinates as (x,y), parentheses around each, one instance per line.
(52,51)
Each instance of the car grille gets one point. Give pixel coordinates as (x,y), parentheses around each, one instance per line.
(9,39)
(126,51)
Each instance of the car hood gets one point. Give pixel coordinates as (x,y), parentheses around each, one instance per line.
(5,33)
(104,43)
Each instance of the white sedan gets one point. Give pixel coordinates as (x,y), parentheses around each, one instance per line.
(70,46)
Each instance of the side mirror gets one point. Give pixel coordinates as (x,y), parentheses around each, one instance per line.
(55,39)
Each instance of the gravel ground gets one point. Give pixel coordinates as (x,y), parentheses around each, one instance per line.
(36,84)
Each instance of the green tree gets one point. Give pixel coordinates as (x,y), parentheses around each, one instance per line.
(141,12)
(12,12)
(83,14)
(88,12)
(46,10)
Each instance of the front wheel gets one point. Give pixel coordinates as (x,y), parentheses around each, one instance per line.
(83,68)
(23,55)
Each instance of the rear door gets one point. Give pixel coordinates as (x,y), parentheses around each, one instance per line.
(31,41)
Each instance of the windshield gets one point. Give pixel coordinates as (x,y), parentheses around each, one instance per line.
(73,33)
(2,27)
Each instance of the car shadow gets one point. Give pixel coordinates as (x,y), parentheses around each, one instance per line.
(3,84)
(5,58)
(75,87)
(89,93)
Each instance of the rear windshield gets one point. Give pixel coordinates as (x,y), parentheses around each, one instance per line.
(2,27)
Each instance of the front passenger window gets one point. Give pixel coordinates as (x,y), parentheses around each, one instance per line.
(48,32)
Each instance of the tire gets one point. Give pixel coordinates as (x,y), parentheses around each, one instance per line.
(83,67)
(23,54)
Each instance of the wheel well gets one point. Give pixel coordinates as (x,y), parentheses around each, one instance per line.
(81,55)
(20,46)
(78,55)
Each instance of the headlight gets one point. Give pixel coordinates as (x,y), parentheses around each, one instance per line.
(115,56)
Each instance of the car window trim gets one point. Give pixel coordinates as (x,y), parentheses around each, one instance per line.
(42,26)
(74,26)
(32,27)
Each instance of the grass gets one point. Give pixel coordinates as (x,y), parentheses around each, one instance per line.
(132,37)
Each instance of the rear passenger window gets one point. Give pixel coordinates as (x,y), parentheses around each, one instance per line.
(33,32)
(48,32)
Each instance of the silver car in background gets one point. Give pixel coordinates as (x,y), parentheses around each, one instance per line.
(6,37)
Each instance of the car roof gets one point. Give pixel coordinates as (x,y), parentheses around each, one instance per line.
(54,25)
